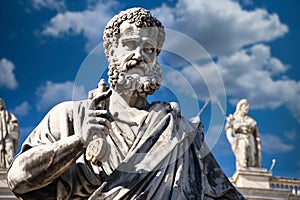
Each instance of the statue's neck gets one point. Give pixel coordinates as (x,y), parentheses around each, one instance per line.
(137,102)
(241,114)
(133,101)
(128,109)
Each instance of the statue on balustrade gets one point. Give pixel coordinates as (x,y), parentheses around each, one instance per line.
(9,136)
(243,135)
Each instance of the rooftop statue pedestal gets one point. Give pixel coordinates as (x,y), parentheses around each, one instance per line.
(252,178)
(256,184)
(5,192)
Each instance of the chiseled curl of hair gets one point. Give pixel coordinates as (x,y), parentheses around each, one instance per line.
(141,17)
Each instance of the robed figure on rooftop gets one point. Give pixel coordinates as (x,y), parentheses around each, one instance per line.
(9,136)
(243,135)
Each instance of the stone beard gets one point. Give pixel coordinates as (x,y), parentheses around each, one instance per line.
(139,84)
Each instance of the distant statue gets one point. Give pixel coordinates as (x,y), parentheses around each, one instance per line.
(242,133)
(116,145)
(9,136)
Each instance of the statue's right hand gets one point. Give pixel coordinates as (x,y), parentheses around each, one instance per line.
(96,124)
(97,118)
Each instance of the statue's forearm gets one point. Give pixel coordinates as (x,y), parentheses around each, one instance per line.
(41,165)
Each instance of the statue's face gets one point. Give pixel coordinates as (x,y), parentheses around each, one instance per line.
(244,108)
(136,45)
(135,61)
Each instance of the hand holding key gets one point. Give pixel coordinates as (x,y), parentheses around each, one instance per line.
(96,127)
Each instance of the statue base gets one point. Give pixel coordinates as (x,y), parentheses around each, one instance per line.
(5,192)
(252,178)
(258,184)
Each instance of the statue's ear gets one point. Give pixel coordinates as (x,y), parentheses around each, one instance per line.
(110,54)
(158,50)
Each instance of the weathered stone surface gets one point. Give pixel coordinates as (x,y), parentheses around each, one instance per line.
(259,184)
(5,192)
(252,178)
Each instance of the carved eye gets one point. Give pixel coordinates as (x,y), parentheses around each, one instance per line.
(148,48)
(130,44)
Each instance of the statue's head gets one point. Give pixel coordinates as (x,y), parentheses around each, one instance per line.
(2,104)
(242,106)
(132,41)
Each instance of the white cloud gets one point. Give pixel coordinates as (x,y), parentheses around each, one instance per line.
(52,4)
(90,23)
(254,74)
(22,109)
(273,144)
(7,76)
(222,27)
(52,93)
(250,73)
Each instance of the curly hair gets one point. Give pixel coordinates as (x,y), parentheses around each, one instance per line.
(141,17)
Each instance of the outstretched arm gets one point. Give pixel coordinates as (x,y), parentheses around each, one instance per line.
(41,165)
(55,145)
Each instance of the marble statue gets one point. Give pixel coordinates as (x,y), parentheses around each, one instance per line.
(9,136)
(243,135)
(116,145)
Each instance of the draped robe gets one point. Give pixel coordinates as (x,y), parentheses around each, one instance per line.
(161,157)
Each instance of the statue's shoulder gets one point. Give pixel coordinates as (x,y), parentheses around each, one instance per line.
(67,107)
(174,109)
(160,105)
(167,105)
(250,120)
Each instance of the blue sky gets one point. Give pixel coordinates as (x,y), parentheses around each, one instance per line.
(254,45)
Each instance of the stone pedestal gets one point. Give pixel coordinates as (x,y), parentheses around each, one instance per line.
(252,178)
(258,184)
(5,192)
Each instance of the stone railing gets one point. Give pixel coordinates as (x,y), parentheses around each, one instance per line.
(291,184)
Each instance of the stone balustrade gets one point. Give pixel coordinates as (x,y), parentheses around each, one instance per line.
(291,184)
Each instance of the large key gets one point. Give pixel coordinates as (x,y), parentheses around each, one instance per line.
(95,147)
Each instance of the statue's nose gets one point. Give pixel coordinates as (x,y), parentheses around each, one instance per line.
(138,55)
